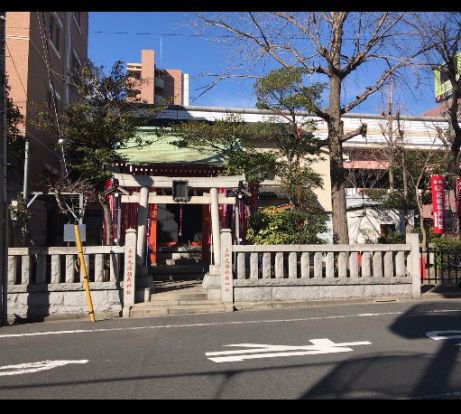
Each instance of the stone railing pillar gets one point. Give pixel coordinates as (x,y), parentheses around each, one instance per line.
(142,220)
(227,282)
(129,274)
(415,264)
(215,225)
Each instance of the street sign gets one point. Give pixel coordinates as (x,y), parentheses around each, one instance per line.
(255,351)
(69,232)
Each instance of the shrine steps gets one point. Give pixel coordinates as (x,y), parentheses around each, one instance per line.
(178,298)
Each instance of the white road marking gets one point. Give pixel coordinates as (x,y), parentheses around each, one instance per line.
(32,367)
(440,335)
(255,351)
(455,394)
(198,325)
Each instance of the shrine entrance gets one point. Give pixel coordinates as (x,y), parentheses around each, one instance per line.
(182,234)
(172,231)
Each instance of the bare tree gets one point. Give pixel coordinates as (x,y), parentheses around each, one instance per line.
(418,164)
(439,35)
(331,46)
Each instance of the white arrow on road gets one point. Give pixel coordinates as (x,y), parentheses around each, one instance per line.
(253,351)
(31,367)
(439,335)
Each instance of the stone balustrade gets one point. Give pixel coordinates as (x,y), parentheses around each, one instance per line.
(47,281)
(313,272)
(56,265)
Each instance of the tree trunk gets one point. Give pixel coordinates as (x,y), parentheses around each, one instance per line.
(453,165)
(391,174)
(297,167)
(390,137)
(391,179)
(421,220)
(408,228)
(454,124)
(338,195)
(107,219)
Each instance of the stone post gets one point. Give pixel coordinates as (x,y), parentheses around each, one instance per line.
(415,264)
(142,220)
(129,274)
(227,282)
(215,226)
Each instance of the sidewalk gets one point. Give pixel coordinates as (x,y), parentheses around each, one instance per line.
(439,292)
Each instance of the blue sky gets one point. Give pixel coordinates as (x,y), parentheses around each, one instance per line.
(122,35)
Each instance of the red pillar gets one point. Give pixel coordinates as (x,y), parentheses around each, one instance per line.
(153,234)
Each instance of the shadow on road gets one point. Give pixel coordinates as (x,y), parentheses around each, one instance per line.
(402,375)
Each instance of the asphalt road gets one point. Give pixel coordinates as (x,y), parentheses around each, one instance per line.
(378,351)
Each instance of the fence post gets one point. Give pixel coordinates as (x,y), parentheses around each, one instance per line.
(227,283)
(415,270)
(129,274)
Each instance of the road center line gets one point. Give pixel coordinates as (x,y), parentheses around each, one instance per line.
(197,325)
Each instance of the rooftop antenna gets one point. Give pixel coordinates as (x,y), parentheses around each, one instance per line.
(161,51)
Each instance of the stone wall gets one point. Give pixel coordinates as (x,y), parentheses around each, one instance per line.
(311,292)
(36,302)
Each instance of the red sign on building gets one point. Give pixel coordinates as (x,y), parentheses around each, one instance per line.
(438,202)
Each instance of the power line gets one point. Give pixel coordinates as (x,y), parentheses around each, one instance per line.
(25,92)
(155,34)
(46,54)
(107,32)
(16,70)
(3,180)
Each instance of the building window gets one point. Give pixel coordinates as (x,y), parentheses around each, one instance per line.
(50,97)
(54,31)
(75,64)
(386,229)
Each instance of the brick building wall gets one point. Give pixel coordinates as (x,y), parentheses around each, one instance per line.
(36,40)
(42,49)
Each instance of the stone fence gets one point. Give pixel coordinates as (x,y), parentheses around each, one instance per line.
(258,273)
(47,281)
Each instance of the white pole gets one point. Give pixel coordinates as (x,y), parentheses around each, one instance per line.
(211,250)
(215,225)
(142,219)
(3,190)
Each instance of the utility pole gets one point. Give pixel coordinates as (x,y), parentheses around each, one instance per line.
(3,191)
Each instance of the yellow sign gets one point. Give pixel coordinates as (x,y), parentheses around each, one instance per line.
(442,84)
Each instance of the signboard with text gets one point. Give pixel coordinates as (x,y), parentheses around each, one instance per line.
(438,203)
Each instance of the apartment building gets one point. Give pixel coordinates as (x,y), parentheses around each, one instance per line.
(42,50)
(152,84)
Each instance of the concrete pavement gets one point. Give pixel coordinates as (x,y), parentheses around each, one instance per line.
(372,350)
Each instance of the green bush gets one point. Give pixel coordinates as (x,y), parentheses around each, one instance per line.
(447,244)
(270,226)
(393,237)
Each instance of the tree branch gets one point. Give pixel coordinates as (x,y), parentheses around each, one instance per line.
(375,37)
(268,48)
(362,130)
(372,89)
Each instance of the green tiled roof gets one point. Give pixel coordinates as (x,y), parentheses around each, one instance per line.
(161,150)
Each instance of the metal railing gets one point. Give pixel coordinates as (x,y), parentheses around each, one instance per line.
(441,266)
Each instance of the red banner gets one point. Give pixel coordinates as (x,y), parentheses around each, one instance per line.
(438,202)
